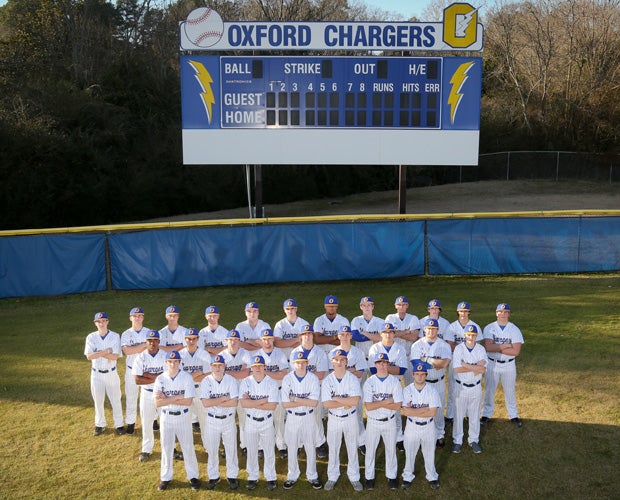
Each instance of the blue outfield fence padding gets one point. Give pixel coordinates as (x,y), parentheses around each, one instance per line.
(266,254)
(523,245)
(52,264)
(213,253)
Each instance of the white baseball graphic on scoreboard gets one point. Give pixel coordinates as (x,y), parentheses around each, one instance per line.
(204,27)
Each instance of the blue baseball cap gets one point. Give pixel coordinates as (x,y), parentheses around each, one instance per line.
(431,323)
(306,329)
(100,315)
(257,361)
(173,355)
(387,327)
(172,309)
(419,366)
(136,310)
(153,334)
(251,305)
(192,332)
(463,306)
(339,353)
(331,300)
(218,360)
(401,299)
(212,310)
(502,307)
(267,334)
(382,357)
(233,334)
(366,300)
(290,303)
(470,329)
(345,329)
(434,303)
(300,356)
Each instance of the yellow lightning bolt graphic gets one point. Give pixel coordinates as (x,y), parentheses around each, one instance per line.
(458,80)
(205,81)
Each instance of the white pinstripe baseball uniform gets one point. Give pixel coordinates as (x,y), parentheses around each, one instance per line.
(373,325)
(170,338)
(444,326)
(276,361)
(502,368)
(468,392)
(398,357)
(456,336)
(235,363)
(249,333)
(220,424)
(300,427)
(408,322)
(145,363)
(212,339)
(317,362)
(104,379)
(131,338)
(438,349)
(176,423)
(198,361)
(285,330)
(381,423)
(342,423)
(329,328)
(419,432)
(259,427)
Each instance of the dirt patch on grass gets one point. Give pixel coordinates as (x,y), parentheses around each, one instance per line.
(484,196)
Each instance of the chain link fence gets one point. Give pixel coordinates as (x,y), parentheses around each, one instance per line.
(513,165)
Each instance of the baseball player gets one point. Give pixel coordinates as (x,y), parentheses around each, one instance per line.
(357,365)
(252,328)
(437,354)
(502,341)
(133,342)
(326,326)
(318,364)
(469,361)
(454,337)
(146,367)
(276,367)
(174,392)
(102,349)
(259,397)
(237,366)
(383,398)
(399,363)
(367,327)
(286,331)
(213,336)
(300,396)
(434,310)
(219,393)
(196,362)
(407,328)
(172,335)
(341,394)
(421,404)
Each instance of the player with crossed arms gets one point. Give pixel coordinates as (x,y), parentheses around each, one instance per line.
(503,341)
(133,342)
(259,397)
(213,336)
(300,396)
(174,392)
(383,398)
(219,394)
(287,330)
(341,394)
(196,362)
(421,404)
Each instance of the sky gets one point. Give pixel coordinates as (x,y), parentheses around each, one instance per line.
(407,8)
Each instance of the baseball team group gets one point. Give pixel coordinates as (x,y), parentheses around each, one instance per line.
(265,390)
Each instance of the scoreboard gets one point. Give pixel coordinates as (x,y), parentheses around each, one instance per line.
(310,109)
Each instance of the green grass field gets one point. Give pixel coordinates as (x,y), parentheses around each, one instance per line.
(568,387)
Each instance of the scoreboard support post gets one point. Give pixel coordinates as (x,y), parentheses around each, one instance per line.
(402,189)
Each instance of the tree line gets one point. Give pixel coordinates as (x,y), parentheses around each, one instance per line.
(90,123)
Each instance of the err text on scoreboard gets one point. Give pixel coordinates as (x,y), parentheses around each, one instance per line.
(334,110)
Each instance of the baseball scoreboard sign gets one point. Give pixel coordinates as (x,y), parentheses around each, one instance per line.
(330,110)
